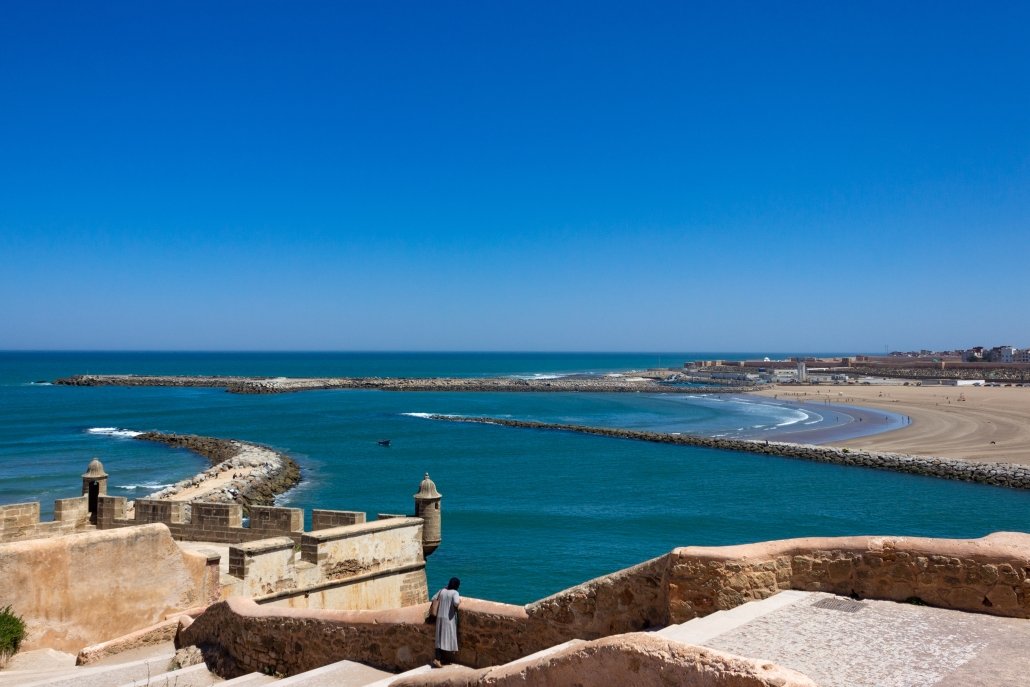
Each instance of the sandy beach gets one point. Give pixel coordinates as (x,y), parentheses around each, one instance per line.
(975,423)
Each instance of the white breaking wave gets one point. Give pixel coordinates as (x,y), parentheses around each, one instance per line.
(145,485)
(539,375)
(796,417)
(430,416)
(113,432)
(38,384)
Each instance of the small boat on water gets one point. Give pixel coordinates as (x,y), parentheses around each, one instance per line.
(383,442)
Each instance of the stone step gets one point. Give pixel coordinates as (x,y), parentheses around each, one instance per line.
(248,680)
(543,652)
(192,676)
(387,681)
(340,674)
(700,630)
(100,676)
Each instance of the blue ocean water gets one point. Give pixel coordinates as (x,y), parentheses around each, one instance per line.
(526,513)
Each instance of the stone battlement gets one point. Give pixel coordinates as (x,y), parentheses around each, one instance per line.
(20,521)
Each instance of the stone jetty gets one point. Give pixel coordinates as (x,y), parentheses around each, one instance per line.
(242,472)
(279,385)
(997,474)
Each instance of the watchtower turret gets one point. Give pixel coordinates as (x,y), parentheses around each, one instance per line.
(94,485)
(427,507)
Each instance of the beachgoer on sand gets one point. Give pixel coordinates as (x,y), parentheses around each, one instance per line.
(446,602)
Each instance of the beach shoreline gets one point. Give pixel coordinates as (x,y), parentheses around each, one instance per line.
(990,424)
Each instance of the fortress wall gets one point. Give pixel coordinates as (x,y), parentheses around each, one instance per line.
(238,636)
(363,566)
(199,521)
(20,521)
(397,588)
(638,659)
(89,587)
(625,601)
(988,575)
(327,519)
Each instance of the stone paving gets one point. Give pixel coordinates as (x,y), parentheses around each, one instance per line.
(843,643)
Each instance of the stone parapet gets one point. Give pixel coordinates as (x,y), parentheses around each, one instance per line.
(327,519)
(988,575)
(20,521)
(199,521)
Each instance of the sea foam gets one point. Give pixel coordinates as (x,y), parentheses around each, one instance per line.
(113,432)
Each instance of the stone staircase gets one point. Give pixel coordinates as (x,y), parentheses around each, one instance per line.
(151,671)
(700,630)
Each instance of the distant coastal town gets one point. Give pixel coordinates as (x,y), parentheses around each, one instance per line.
(977,365)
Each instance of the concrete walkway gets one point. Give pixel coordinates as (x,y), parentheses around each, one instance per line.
(839,642)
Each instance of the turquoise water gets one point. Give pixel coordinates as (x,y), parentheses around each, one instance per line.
(526,513)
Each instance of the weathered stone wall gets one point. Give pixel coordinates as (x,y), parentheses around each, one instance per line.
(637,659)
(364,566)
(199,521)
(989,575)
(327,519)
(20,521)
(238,636)
(89,587)
(625,601)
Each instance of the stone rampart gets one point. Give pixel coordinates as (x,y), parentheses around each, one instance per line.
(363,566)
(20,521)
(638,659)
(988,575)
(200,521)
(89,587)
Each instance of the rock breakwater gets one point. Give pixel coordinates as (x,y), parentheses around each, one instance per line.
(280,385)
(996,474)
(242,472)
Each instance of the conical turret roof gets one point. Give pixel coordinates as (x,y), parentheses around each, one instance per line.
(95,469)
(427,490)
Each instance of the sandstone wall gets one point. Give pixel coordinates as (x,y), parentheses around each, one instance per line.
(201,521)
(989,575)
(238,636)
(640,660)
(20,521)
(363,566)
(89,587)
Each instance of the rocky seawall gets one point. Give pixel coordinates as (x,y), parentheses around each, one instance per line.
(242,472)
(996,474)
(279,385)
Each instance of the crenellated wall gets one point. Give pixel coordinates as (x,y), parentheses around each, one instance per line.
(20,521)
(988,575)
(199,521)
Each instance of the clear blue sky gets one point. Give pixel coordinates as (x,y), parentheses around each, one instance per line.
(514,175)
